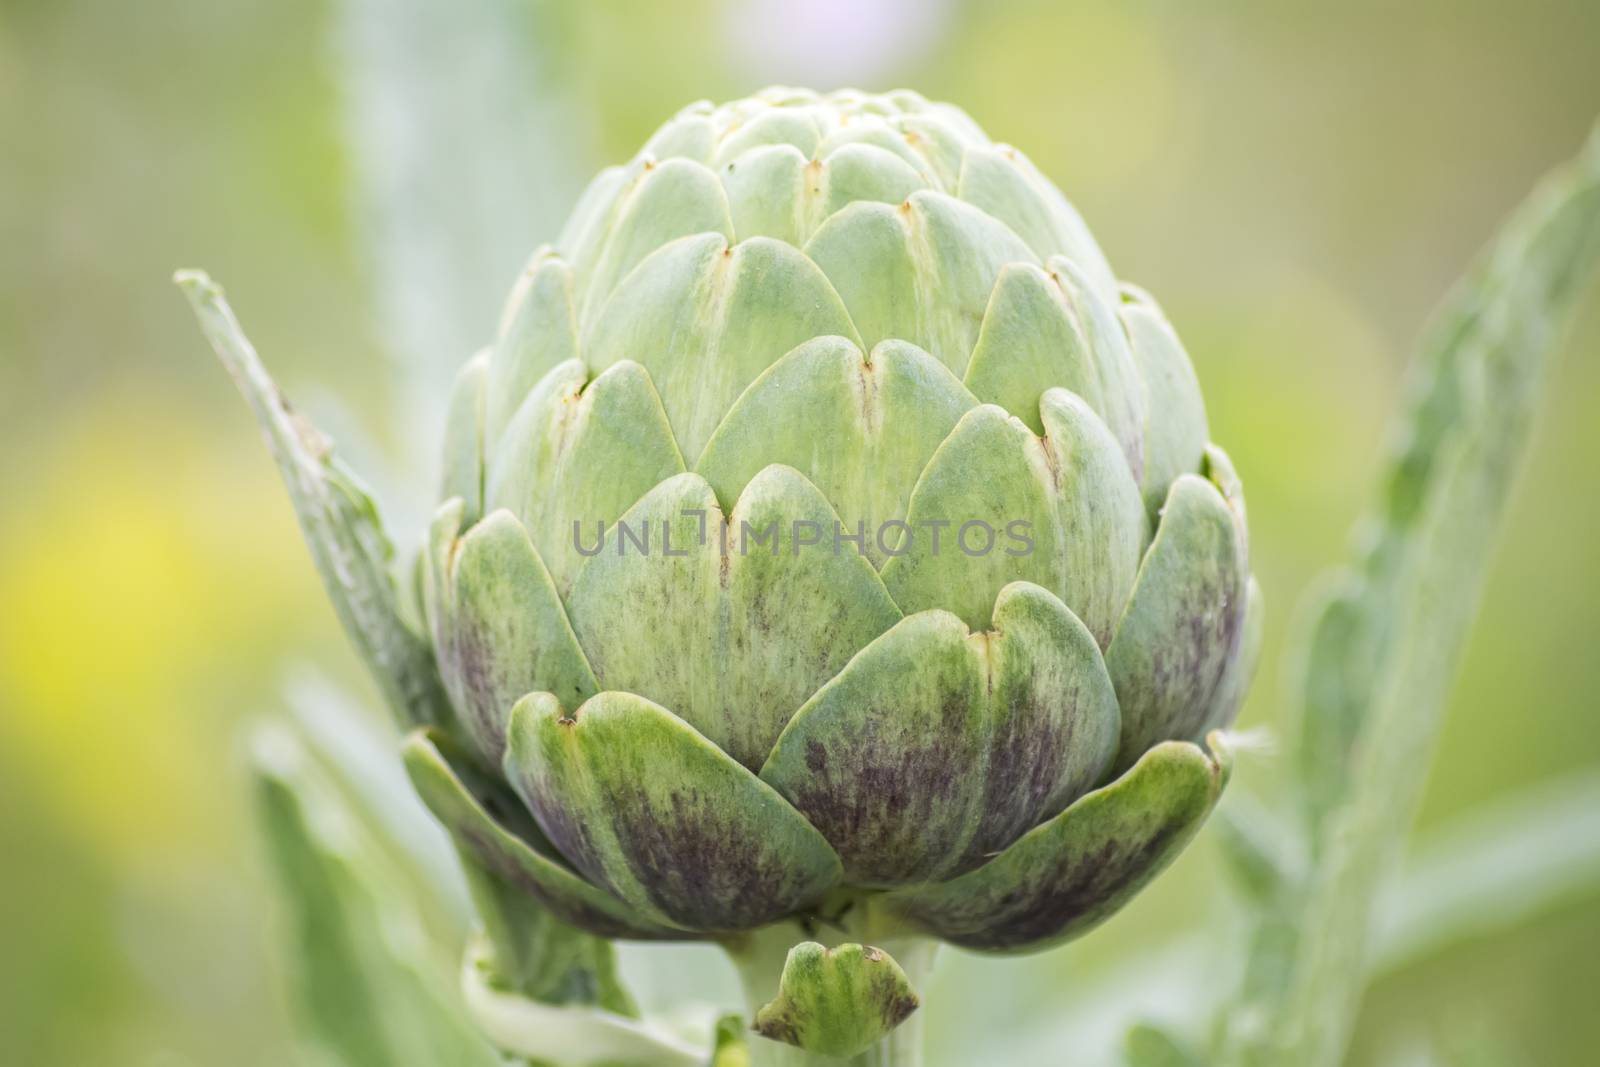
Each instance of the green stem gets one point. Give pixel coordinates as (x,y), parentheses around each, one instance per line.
(759,958)
(902,1048)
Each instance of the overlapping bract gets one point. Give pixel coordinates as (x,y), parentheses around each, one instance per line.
(855,317)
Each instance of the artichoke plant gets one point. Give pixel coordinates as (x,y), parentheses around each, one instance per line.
(832,561)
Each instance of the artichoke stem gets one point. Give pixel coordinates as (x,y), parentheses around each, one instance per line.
(902,1048)
(760,957)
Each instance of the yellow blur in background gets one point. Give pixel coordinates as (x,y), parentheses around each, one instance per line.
(1297,184)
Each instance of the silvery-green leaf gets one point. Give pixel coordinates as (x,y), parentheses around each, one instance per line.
(1184,621)
(1030,342)
(1068,875)
(338,518)
(488,824)
(921,271)
(338,731)
(362,979)
(1339,639)
(706,318)
(1260,852)
(566,1035)
(1175,432)
(579,453)
(1383,651)
(646,806)
(499,630)
(861,430)
(529,950)
(732,624)
(937,746)
(837,1002)
(1062,512)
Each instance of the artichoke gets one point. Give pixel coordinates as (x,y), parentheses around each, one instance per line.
(829,537)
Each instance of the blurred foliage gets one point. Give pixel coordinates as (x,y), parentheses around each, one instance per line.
(1383,644)
(1297,183)
(370,993)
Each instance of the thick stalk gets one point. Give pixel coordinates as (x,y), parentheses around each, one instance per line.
(759,958)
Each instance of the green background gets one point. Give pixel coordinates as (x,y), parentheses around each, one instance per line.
(1297,184)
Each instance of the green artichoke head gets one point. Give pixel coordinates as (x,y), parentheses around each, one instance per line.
(827,527)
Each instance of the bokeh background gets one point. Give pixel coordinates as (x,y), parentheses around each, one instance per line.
(1297,183)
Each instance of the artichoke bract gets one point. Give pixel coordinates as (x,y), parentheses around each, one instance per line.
(828,529)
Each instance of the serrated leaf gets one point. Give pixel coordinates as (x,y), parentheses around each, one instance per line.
(338,518)
(357,750)
(360,977)
(1383,654)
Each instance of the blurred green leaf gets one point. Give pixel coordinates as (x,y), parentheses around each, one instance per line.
(1385,646)
(363,981)
(361,756)
(1257,848)
(343,765)
(1488,873)
(730,1044)
(1150,1046)
(528,951)
(570,1035)
(1493,870)
(339,519)
(466,148)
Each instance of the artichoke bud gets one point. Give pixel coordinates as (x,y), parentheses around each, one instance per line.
(827,521)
